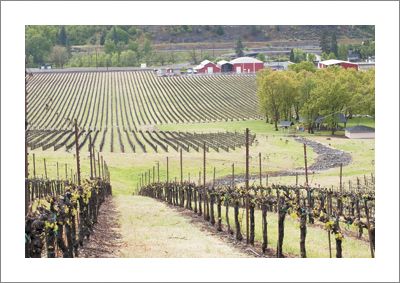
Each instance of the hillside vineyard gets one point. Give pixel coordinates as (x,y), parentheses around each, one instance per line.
(120,110)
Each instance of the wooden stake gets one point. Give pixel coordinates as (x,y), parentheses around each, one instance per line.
(66,172)
(78,166)
(102,167)
(34,166)
(90,156)
(371,246)
(180,161)
(58,173)
(247,187)
(214,178)
(98,163)
(94,162)
(259,157)
(233,175)
(341,185)
(45,167)
(158,171)
(305,163)
(154,173)
(167,170)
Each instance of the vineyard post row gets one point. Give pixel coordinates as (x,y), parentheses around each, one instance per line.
(307,208)
(103,171)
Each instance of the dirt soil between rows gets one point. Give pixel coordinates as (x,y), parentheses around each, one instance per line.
(106,240)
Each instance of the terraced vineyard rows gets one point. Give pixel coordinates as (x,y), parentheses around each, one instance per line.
(120,110)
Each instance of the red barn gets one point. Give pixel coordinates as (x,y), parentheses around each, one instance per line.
(207,67)
(334,62)
(246,65)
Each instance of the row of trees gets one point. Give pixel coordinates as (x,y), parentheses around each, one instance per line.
(306,92)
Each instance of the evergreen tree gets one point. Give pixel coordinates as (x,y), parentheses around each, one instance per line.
(62,36)
(324,43)
(334,45)
(291,58)
(239,48)
(102,38)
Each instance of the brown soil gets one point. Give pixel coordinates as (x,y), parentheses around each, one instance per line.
(106,240)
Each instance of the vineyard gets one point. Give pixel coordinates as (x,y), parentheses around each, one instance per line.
(121,110)
(333,209)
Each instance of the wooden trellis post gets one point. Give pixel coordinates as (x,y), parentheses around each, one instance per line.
(233,175)
(158,171)
(305,163)
(45,167)
(58,173)
(180,162)
(94,161)
(247,186)
(34,166)
(259,157)
(90,156)
(98,163)
(206,212)
(66,172)
(214,178)
(167,170)
(78,169)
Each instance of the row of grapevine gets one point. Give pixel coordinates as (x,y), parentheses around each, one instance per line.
(124,140)
(63,216)
(129,100)
(333,209)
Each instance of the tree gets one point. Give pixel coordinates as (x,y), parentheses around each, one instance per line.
(38,47)
(333,96)
(291,57)
(128,58)
(334,44)
(306,66)
(62,36)
(311,57)
(342,52)
(109,46)
(261,57)
(193,56)
(324,42)
(239,48)
(275,92)
(59,55)
(331,56)
(102,38)
(219,30)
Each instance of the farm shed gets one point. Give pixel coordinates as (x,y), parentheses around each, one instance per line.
(285,124)
(207,67)
(334,62)
(340,118)
(246,65)
(225,66)
(284,65)
(360,132)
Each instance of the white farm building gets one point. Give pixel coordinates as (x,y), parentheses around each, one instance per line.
(360,132)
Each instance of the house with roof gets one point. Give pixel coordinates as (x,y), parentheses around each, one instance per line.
(360,132)
(340,63)
(277,66)
(246,65)
(285,124)
(207,67)
(225,66)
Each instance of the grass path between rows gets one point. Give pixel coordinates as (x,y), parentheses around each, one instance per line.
(150,229)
